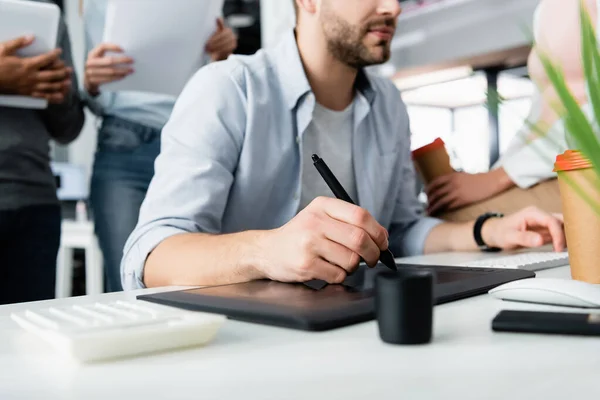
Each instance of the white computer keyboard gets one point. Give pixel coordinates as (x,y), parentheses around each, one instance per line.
(101,331)
(531,261)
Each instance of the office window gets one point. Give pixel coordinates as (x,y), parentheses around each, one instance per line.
(471,139)
(513,114)
(428,123)
(456,111)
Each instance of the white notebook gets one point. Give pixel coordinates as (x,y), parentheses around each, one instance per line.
(19,18)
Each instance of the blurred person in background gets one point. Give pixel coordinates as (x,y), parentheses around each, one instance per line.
(128,136)
(30,215)
(523,176)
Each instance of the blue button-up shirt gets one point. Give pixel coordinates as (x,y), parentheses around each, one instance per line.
(231,156)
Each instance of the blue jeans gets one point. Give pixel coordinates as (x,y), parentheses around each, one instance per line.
(123,169)
(29,241)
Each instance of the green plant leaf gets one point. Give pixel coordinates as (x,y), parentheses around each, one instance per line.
(575,121)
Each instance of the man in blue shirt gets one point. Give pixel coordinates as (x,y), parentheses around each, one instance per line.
(229,201)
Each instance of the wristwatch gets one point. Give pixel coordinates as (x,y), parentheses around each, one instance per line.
(477,231)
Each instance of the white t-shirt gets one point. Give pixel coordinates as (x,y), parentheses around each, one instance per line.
(330,136)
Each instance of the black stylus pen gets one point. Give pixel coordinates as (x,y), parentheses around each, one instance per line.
(386,257)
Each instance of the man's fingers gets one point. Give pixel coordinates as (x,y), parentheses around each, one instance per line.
(58,64)
(438,194)
(100,50)
(43,60)
(220,24)
(526,239)
(339,255)
(210,44)
(109,72)
(108,61)
(51,86)
(102,80)
(438,182)
(441,204)
(11,46)
(54,98)
(39,95)
(327,272)
(554,226)
(220,42)
(53,75)
(354,239)
(354,215)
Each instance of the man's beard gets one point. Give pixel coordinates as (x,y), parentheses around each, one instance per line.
(346,42)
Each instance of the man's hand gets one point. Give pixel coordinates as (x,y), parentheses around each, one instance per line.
(55,82)
(529,227)
(222,43)
(459,189)
(101,69)
(324,241)
(44,76)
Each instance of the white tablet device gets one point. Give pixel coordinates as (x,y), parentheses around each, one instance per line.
(19,18)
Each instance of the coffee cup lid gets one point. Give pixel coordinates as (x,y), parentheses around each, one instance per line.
(436,144)
(571,160)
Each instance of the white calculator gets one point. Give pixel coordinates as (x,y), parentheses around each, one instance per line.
(106,330)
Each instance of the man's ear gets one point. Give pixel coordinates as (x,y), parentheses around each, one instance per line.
(309,6)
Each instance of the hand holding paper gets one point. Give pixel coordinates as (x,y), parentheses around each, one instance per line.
(101,68)
(166,38)
(44,76)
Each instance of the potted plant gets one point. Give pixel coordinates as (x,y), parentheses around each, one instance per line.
(578,169)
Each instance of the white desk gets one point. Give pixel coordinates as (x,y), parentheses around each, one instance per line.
(465,361)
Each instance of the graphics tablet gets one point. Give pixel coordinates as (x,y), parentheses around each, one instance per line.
(316,306)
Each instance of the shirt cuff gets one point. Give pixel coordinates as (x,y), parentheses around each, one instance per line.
(132,266)
(413,240)
(525,170)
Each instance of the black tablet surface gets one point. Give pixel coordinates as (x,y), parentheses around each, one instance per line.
(316,306)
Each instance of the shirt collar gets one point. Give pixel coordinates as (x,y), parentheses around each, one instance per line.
(291,73)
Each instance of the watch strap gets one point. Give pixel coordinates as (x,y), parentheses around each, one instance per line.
(477,231)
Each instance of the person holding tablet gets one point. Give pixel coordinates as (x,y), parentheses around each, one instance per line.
(128,136)
(236,196)
(30,215)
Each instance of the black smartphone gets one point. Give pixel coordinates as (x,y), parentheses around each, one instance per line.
(559,323)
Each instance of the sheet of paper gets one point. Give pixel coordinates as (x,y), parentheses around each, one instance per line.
(165,38)
(18,18)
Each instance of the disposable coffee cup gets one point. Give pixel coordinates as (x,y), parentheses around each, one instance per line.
(432,161)
(577,181)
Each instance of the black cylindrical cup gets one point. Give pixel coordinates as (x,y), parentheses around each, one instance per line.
(404,305)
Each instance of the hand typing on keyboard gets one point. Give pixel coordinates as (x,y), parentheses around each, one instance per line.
(528,228)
